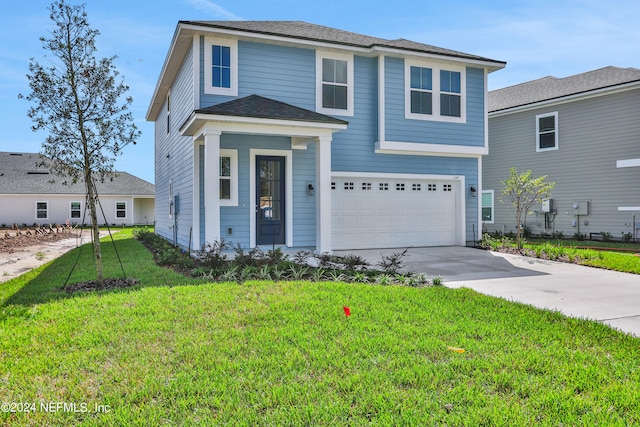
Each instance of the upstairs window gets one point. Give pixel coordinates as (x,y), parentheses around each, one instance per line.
(450,93)
(435,92)
(220,67)
(547,131)
(334,93)
(421,90)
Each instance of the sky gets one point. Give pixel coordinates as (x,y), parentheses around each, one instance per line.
(537,38)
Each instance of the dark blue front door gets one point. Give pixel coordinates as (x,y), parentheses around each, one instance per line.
(270,200)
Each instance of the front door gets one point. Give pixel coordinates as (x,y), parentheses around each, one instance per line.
(270,200)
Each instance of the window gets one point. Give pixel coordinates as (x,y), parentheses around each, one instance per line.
(399,187)
(121,210)
(334,92)
(383,186)
(435,92)
(75,210)
(366,186)
(42,210)
(348,185)
(446,187)
(547,131)
(228,177)
(431,187)
(450,93)
(220,67)
(421,90)
(416,187)
(487,206)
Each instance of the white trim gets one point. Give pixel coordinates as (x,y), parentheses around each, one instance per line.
(288,155)
(381,99)
(629,208)
(628,163)
(383,175)
(233,45)
(436,68)
(320,55)
(540,116)
(195,47)
(479,192)
(418,148)
(233,156)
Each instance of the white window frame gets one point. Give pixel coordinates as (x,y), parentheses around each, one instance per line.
(116,210)
(320,55)
(541,116)
(233,156)
(435,91)
(209,89)
(71,210)
(46,210)
(493,209)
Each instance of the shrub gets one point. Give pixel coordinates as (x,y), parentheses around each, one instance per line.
(211,254)
(392,263)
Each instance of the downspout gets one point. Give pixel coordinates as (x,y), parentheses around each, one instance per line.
(381,99)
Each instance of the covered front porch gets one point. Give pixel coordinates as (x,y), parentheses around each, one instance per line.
(261,174)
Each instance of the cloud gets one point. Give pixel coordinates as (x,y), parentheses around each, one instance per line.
(214,9)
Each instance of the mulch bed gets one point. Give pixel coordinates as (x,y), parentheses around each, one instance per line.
(92,285)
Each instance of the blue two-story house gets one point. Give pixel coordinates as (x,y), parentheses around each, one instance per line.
(303,136)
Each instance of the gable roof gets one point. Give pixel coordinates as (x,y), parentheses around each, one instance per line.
(20,175)
(265,108)
(295,33)
(553,88)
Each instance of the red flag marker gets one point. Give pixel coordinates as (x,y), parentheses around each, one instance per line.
(347,311)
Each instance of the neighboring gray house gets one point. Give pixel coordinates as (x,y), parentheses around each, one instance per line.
(582,131)
(32,195)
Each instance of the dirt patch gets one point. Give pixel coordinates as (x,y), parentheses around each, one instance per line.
(13,240)
(26,252)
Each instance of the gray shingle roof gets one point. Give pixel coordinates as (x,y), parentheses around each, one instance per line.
(318,33)
(550,88)
(265,108)
(20,175)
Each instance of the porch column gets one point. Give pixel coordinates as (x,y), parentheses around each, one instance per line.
(323,194)
(212,185)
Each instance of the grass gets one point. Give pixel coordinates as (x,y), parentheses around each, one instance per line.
(176,351)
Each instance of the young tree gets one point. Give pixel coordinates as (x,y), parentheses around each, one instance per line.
(522,192)
(77,100)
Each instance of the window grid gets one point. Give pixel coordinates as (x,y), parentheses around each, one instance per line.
(366,186)
(431,187)
(446,187)
(416,187)
(399,187)
(333,185)
(383,186)
(348,185)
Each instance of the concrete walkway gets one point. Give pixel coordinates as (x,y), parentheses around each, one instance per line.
(606,296)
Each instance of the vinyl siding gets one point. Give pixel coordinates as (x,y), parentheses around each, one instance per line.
(593,134)
(174,158)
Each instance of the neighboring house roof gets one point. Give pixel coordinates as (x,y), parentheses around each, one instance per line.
(19,174)
(265,108)
(319,33)
(553,88)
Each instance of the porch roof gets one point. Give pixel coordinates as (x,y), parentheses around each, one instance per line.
(258,109)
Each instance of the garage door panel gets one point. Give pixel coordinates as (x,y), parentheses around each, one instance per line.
(398,212)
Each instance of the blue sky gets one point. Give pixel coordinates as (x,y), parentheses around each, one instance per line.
(536,38)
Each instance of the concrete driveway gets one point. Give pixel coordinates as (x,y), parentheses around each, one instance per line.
(606,296)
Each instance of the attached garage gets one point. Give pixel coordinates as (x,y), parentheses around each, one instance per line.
(374,211)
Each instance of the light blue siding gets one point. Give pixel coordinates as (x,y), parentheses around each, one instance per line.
(398,128)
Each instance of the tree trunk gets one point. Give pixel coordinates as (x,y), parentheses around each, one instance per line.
(97,252)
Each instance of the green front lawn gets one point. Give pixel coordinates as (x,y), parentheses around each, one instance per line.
(176,351)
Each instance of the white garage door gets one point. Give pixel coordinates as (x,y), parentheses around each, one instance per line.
(393,212)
